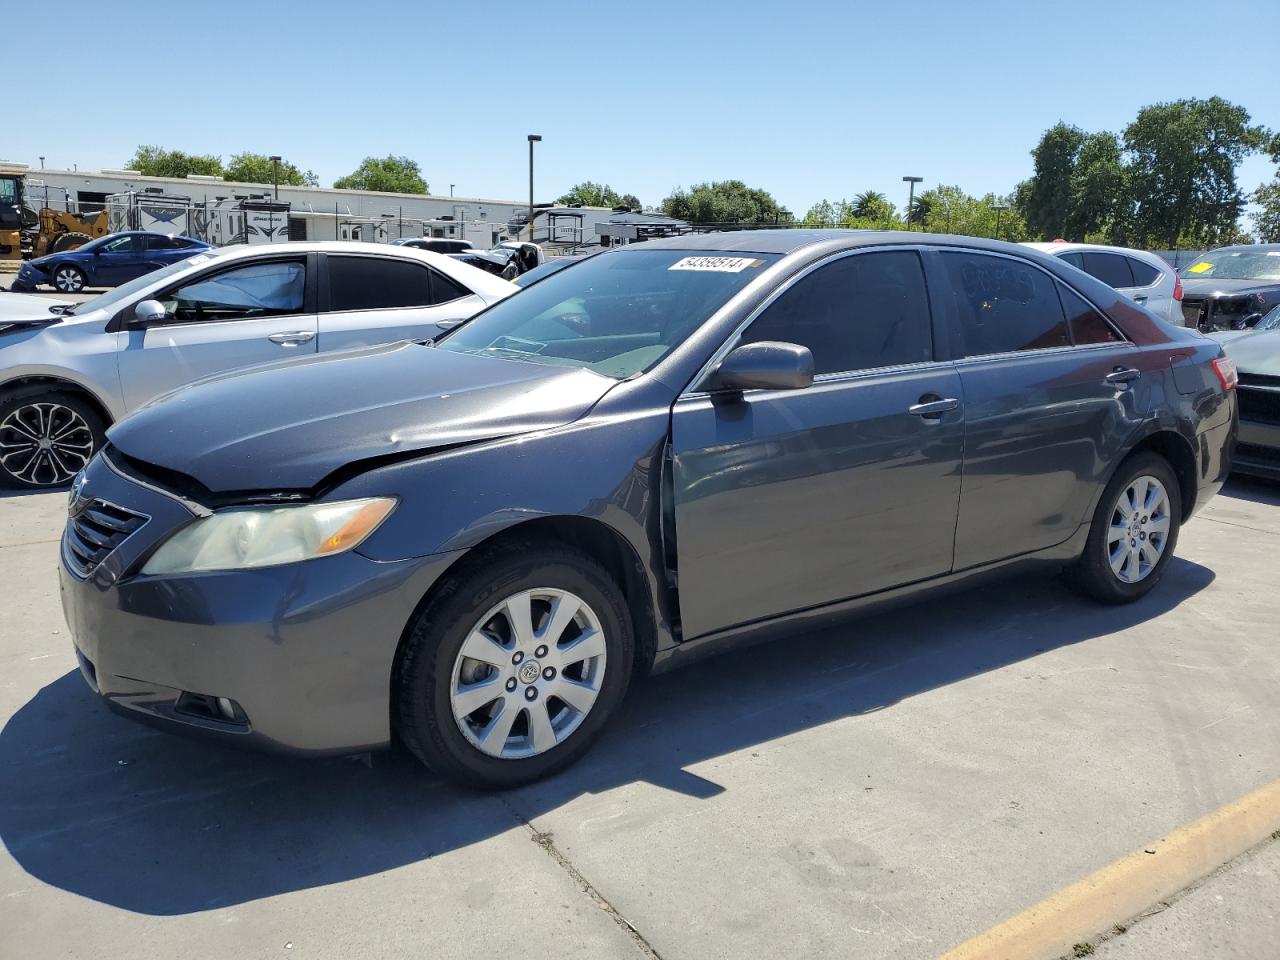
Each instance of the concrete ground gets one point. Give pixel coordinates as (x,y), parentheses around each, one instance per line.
(887,789)
(8,273)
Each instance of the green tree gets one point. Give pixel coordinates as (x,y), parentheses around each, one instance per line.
(948,209)
(1045,200)
(592,194)
(257,168)
(824,214)
(869,204)
(153,161)
(387,174)
(726,201)
(1182,171)
(1267,219)
(1099,190)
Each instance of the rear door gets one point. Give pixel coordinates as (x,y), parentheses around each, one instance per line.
(244,314)
(790,499)
(368,299)
(1051,395)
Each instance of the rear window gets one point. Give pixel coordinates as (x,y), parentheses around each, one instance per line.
(1005,305)
(376,283)
(1111,268)
(617,313)
(1144,274)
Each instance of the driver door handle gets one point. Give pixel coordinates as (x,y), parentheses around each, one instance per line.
(933,409)
(293,338)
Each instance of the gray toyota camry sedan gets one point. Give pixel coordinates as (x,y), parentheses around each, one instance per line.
(472,546)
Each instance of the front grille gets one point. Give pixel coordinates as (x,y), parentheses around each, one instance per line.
(94,530)
(1191,312)
(1259,398)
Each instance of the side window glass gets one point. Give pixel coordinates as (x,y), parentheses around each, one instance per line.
(446,290)
(1111,268)
(860,312)
(376,283)
(1144,274)
(159,242)
(1004,305)
(121,245)
(258,290)
(1087,325)
(1075,259)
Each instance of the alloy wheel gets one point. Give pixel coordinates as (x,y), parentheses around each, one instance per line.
(528,673)
(44,444)
(68,279)
(1139,529)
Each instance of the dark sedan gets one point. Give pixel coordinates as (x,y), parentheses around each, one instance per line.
(108,261)
(1256,354)
(1231,288)
(672,449)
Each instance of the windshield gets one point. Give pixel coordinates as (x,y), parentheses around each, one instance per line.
(1236,265)
(1271,321)
(544,270)
(113,298)
(616,314)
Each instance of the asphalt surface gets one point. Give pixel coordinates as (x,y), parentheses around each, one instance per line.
(887,789)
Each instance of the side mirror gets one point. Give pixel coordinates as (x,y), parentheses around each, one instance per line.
(149,311)
(767,365)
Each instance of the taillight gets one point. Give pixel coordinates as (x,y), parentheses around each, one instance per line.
(1226,371)
(1177,287)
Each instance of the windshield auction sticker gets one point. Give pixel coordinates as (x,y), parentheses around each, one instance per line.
(716,264)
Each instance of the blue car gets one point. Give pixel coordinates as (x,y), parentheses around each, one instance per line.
(107,261)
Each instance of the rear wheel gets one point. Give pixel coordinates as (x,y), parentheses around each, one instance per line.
(68,278)
(513,669)
(1134,532)
(46,439)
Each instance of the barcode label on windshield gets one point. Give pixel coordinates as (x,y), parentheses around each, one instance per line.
(716,264)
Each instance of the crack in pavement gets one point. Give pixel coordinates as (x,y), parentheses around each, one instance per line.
(546,842)
(1243,526)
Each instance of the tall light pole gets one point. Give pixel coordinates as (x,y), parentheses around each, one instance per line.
(451,186)
(911,195)
(997,207)
(275,175)
(533,138)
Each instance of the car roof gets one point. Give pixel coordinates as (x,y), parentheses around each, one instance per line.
(1055,247)
(790,241)
(1249,248)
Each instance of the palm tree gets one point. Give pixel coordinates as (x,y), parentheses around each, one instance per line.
(920,208)
(869,203)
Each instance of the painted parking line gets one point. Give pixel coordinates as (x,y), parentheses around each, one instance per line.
(1127,887)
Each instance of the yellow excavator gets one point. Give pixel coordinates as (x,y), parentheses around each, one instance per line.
(26,234)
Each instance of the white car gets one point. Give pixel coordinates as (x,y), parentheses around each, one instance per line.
(1144,277)
(66,376)
(23,306)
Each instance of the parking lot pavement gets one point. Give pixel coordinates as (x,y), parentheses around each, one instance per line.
(6,281)
(889,788)
(1233,915)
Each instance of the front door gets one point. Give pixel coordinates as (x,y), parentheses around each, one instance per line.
(224,320)
(117,261)
(786,500)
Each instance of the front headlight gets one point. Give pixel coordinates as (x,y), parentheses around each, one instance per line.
(267,536)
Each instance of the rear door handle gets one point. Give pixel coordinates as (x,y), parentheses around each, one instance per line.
(1123,375)
(933,409)
(1141,299)
(293,338)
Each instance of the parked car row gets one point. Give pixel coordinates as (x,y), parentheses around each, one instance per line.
(107,262)
(66,376)
(471,541)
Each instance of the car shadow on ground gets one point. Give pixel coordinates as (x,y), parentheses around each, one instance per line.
(152,823)
(1252,489)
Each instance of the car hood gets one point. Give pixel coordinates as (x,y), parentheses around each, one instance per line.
(1257,352)
(288,426)
(1226,288)
(23,306)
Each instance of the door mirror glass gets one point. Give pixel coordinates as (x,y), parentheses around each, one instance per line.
(765,365)
(149,311)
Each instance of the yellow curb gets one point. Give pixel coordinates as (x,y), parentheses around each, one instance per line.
(1125,888)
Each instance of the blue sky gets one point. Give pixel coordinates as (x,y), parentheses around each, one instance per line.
(808,100)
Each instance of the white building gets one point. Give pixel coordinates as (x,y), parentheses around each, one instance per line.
(320,213)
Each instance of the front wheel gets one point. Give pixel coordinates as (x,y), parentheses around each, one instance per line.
(68,278)
(1134,532)
(46,439)
(513,669)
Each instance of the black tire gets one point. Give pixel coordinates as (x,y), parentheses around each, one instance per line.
(423,711)
(69,241)
(68,278)
(1093,574)
(16,469)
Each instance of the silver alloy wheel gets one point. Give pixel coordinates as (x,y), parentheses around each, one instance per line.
(68,279)
(1139,530)
(528,673)
(44,444)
